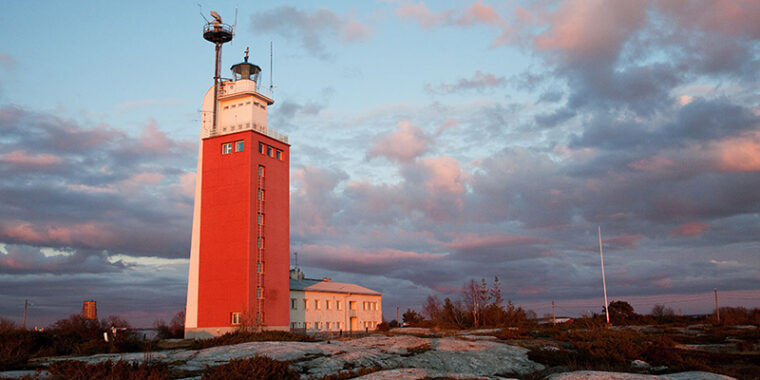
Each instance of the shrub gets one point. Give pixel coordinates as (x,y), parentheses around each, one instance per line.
(238,337)
(257,367)
(110,370)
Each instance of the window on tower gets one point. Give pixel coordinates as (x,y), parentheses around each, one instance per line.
(239,146)
(226,148)
(278,154)
(236,318)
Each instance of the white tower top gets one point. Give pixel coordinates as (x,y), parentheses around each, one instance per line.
(241,107)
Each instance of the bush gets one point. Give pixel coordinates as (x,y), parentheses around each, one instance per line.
(109,370)
(175,330)
(257,367)
(238,337)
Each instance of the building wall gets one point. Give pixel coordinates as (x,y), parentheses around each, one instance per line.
(368,312)
(224,271)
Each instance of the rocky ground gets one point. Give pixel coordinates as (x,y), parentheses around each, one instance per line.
(416,354)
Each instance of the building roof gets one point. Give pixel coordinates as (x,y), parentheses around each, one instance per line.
(308,284)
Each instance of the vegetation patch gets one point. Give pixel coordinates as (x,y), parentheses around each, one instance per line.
(238,337)
(257,367)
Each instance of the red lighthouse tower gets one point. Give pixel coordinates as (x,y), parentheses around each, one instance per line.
(239,255)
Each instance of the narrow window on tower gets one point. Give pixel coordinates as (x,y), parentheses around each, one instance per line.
(259,318)
(278,154)
(269,151)
(293,304)
(260,242)
(259,267)
(261,194)
(261,148)
(226,148)
(239,145)
(258,292)
(260,218)
(261,170)
(235,318)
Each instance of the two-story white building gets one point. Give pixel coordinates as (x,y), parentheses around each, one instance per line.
(325,305)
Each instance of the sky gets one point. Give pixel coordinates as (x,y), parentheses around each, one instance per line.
(433,143)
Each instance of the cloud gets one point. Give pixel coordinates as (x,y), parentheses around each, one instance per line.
(311,28)
(479,82)
(7,61)
(692,229)
(405,144)
(93,188)
(477,14)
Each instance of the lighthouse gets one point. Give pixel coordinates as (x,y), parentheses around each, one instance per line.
(239,254)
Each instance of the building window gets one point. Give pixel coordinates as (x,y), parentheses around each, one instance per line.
(306,304)
(260,218)
(260,242)
(308,325)
(352,305)
(258,292)
(235,318)
(316,304)
(226,148)
(239,146)
(293,305)
(262,148)
(261,194)
(269,151)
(338,305)
(259,267)
(278,154)
(340,325)
(327,304)
(261,170)
(259,318)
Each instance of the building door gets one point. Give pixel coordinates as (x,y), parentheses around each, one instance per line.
(354,324)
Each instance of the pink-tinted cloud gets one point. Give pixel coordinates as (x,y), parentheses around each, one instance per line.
(737,18)
(82,234)
(475,15)
(406,143)
(28,161)
(480,81)
(420,13)
(471,241)
(624,241)
(478,13)
(443,176)
(652,164)
(691,229)
(739,154)
(362,260)
(590,29)
(7,61)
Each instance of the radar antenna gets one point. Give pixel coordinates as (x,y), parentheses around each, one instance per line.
(217,18)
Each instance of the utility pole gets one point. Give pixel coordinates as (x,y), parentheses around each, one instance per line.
(26,305)
(604,281)
(717,310)
(554,315)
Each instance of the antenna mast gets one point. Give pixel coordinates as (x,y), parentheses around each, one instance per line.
(271,70)
(604,281)
(218,33)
